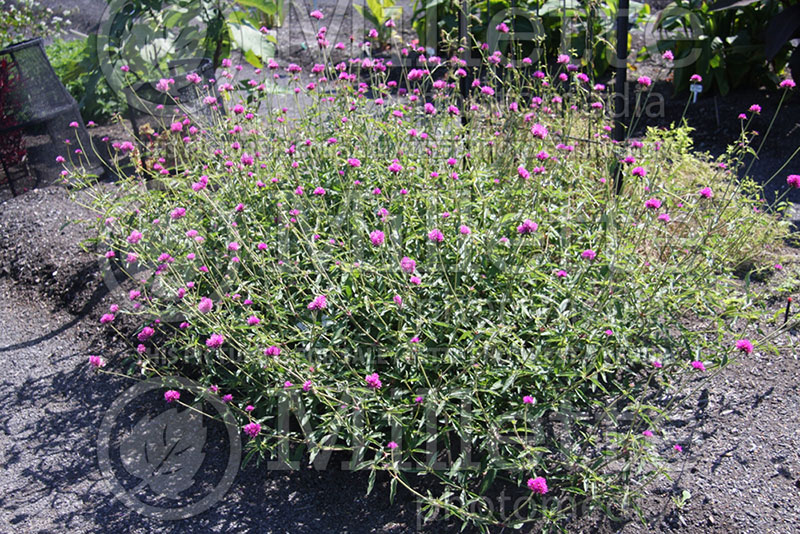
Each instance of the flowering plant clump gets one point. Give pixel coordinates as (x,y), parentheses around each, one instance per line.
(436,285)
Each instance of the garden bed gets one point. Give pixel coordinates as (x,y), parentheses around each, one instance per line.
(724,475)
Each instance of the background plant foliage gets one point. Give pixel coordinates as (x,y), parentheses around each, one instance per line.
(506,350)
(730,43)
(25,19)
(584,28)
(73,62)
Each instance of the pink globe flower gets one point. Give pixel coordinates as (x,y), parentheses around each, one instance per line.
(706,192)
(538,485)
(373,381)
(408,265)
(171,395)
(377,237)
(652,203)
(697,364)
(539,131)
(320,302)
(744,345)
(252,429)
(436,235)
(793,180)
(527,227)
(215,341)
(96,361)
(527,399)
(205,305)
(134,237)
(588,254)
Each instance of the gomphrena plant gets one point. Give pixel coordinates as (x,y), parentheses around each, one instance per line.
(434,285)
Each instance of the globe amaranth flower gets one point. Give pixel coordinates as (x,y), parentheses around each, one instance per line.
(697,364)
(538,485)
(134,237)
(377,237)
(205,305)
(97,361)
(539,131)
(652,203)
(793,180)
(527,227)
(320,302)
(744,345)
(436,235)
(252,429)
(215,341)
(171,395)
(408,265)
(146,333)
(706,192)
(373,381)
(588,254)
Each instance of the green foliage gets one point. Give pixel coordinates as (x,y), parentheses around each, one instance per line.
(149,33)
(582,28)
(73,62)
(378,13)
(26,19)
(724,44)
(507,351)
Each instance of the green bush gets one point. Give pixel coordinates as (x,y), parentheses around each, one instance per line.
(438,287)
(542,29)
(26,19)
(75,64)
(729,44)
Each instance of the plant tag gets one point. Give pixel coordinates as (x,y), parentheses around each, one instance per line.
(696,89)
